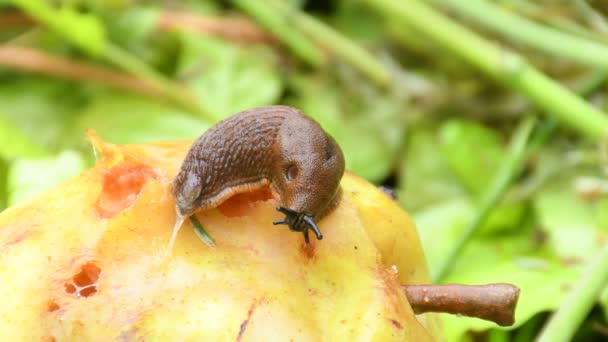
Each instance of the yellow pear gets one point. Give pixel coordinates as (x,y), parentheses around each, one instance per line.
(88,261)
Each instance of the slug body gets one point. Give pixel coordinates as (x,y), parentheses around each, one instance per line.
(274,145)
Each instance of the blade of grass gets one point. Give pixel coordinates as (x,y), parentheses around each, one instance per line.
(201,232)
(587,52)
(508,68)
(569,316)
(589,85)
(299,44)
(594,18)
(336,43)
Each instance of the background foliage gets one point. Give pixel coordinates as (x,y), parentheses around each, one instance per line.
(467,108)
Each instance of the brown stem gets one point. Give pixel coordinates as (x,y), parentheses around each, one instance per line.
(33,60)
(14,19)
(493,302)
(232,28)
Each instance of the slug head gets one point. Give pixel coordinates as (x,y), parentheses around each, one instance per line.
(187,187)
(307,175)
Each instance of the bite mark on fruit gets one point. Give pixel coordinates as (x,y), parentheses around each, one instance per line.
(243,204)
(121,185)
(84,283)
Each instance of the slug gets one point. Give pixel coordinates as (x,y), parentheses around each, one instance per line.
(274,145)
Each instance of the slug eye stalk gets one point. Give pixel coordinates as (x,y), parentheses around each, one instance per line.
(299,222)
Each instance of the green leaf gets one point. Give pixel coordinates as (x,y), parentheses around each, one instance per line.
(440,225)
(14,143)
(515,258)
(132,26)
(135,29)
(544,282)
(82,30)
(472,151)
(542,255)
(29,177)
(369,128)
(358,22)
(372,139)
(568,219)
(426,180)
(125,118)
(227,78)
(601,213)
(38,110)
(424,176)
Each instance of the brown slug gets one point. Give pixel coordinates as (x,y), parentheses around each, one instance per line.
(274,145)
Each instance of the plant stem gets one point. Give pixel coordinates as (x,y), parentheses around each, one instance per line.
(32,60)
(234,28)
(588,52)
(96,44)
(571,313)
(299,45)
(493,302)
(180,94)
(594,18)
(593,82)
(506,67)
(510,167)
(3,183)
(338,44)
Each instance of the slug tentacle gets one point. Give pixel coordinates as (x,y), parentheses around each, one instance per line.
(299,222)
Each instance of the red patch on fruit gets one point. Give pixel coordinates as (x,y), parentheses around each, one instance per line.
(52,306)
(307,249)
(121,185)
(84,283)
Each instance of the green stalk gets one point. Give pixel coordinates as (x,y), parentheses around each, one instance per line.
(177,93)
(509,168)
(572,312)
(504,66)
(588,52)
(594,18)
(3,183)
(335,42)
(299,45)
